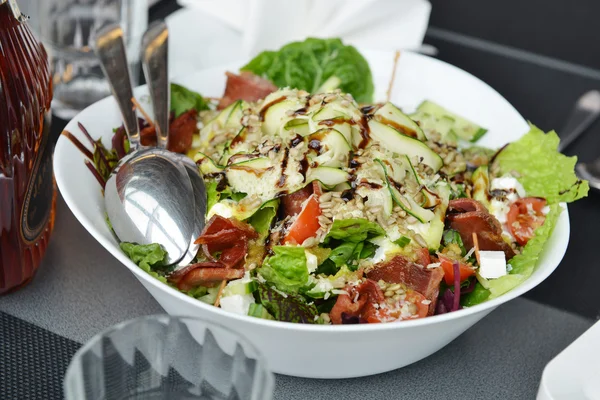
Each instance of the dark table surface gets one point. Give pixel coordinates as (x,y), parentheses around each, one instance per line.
(542,89)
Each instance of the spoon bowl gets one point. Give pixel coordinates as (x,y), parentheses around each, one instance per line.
(149,196)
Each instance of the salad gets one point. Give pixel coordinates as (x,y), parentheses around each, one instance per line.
(325,207)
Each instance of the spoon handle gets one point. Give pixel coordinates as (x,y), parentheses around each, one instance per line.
(110,49)
(585,112)
(155,53)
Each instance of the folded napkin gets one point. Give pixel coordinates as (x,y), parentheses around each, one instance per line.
(269,24)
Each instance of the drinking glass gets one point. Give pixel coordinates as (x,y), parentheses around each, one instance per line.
(166,357)
(67,29)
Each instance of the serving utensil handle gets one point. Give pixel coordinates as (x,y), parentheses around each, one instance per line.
(109,46)
(155,55)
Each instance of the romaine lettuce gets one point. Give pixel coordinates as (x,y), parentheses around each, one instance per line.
(261,220)
(286,269)
(544,172)
(183,99)
(353,230)
(149,257)
(309,64)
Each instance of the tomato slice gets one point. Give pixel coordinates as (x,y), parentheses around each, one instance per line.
(524,217)
(306,224)
(447,265)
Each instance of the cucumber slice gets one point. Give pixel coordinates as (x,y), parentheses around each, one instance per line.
(274,112)
(333,148)
(405,202)
(230,118)
(240,288)
(391,116)
(481,185)
(429,198)
(297,126)
(396,142)
(377,197)
(462,127)
(328,176)
(342,187)
(442,125)
(433,230)
(206,164)
(259,311)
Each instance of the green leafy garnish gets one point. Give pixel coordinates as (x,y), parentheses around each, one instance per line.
(477,296)
(544,172)
(104,160)
(286,269)
(183,99)
(262,219)
(151,258)
(403,241)
(342,253)
(316,64)
(212,195)
(353,230)
(288,308)
(525,263)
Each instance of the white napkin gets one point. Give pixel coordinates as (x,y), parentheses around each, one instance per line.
(269,24)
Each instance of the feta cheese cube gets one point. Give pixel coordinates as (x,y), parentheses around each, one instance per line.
(237,303)
(492,264)
(311,261)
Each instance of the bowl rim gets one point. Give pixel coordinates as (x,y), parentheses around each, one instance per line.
(528,284)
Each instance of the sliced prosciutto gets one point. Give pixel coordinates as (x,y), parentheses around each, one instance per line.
(358,304)
(468,216)
(181,132)
(225,243)
(245,86)
(415,276)
(228,236)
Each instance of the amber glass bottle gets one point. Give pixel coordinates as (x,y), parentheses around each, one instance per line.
(27,187)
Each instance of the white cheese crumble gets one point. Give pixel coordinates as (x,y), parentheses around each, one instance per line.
(311,261)
(508,183)
(492,264)
(237,303)
(386,247)
(221,209)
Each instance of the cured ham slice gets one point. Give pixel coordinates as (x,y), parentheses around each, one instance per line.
(358,304)
(467,216)
(245,86)
(417,277)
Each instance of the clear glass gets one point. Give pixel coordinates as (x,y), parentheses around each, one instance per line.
(166,357)
(67,29)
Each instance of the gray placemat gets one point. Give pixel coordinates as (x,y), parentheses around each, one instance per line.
(33,360)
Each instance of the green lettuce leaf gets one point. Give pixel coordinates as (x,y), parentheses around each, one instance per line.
(286,269)
(183,99)
(262,219)
(544,172)
(212,195)
(525,263)
(477,296)
(314,62)
(353,230)
(149,257)
(289,308)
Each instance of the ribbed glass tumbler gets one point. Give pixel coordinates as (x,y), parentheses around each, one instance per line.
(166,357)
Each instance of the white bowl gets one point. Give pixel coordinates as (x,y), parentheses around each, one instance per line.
(318,351)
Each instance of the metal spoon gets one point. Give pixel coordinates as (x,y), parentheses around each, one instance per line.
(148,196)
(155,56)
